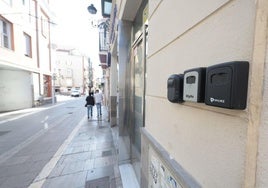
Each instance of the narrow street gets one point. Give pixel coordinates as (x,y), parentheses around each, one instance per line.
(29,142)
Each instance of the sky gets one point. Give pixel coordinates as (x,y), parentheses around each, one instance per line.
(73,27)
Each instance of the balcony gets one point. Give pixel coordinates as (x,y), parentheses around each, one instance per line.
(104,43)
(103,39)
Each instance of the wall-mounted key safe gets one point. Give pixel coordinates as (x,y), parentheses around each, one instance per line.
(194,84)
(175,88)
(227,85)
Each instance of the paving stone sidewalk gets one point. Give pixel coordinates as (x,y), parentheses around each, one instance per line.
(90,160)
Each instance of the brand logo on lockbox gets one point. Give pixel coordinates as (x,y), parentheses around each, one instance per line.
(189,96)
(212,100)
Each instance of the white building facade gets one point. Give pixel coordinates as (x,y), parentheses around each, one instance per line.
(71,71)
(25,61)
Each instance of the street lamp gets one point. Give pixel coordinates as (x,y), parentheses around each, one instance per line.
(106,7)
(91,9)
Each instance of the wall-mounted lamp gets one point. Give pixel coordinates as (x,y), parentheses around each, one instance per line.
(91,9)
(106,7)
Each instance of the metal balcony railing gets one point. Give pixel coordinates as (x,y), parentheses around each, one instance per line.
(103,40)
(104,35)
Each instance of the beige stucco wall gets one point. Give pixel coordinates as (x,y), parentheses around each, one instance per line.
(209,142)
(262,165)
(261,56)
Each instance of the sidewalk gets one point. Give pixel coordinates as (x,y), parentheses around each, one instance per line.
(87,159)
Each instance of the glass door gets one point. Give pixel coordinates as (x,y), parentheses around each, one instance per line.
(138,94)
(137,100)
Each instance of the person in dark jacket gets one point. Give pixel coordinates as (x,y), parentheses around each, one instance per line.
(90,103)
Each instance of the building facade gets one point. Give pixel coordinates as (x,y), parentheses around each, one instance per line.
(128,23)
(25,62)
(104,57)
(72,71)
(190,144)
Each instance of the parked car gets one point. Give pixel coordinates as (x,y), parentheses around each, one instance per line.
(75,94)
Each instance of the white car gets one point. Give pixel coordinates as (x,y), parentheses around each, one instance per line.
(75,94)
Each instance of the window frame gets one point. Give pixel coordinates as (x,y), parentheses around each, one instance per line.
(28,45)
(6,33)
(44,24)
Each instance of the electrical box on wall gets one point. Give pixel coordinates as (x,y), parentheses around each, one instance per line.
(194,84)
(175,88)
(227,85)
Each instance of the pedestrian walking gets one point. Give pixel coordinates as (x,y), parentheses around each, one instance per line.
(98,100)
(90,103)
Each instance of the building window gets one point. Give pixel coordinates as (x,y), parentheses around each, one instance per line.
(5,34)
(44,25)
(69,73)
(28,45)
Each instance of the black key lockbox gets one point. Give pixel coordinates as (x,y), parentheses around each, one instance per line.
(227,85)
(175,88)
